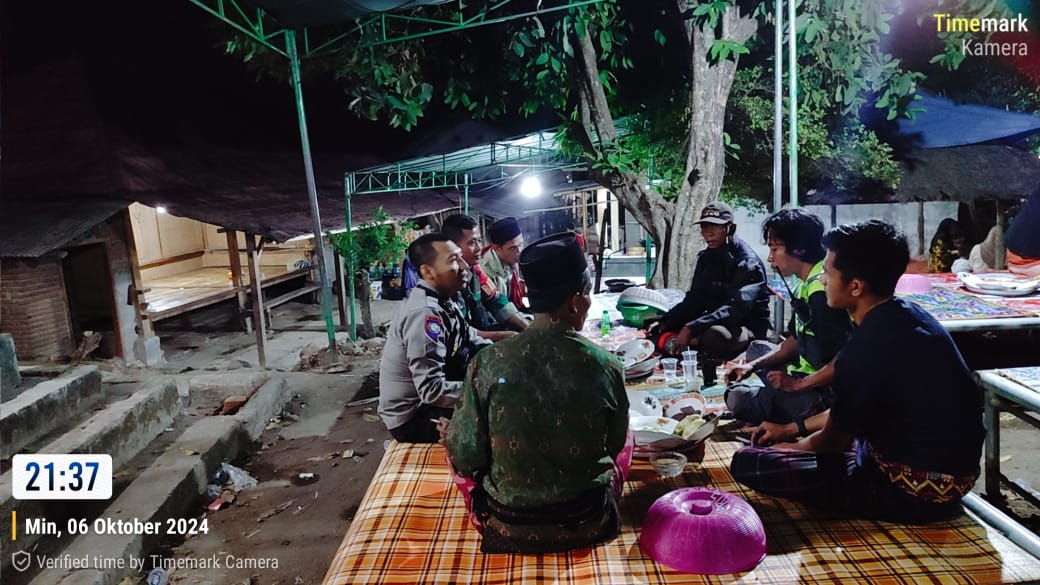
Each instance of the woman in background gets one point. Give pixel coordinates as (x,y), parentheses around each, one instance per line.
(945,247)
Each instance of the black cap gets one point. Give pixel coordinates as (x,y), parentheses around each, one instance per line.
(554,268)
(716,212)
(503,230)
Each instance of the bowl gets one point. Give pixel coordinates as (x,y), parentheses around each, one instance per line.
(705,531)
(913,283)
(668,463)
(616,285)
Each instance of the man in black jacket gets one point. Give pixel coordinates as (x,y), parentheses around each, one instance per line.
(727,305)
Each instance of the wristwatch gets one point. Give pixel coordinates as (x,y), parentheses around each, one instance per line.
(802,431)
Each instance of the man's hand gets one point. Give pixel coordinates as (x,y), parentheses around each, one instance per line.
(769,433)
(651,325)
(442,429)
(782,381)
(682,339)
(738,373)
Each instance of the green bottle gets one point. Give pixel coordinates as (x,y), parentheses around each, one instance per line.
(604,324)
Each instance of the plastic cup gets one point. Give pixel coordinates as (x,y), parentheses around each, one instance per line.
(689,369)
(670,367)
(689,355)
(667,463)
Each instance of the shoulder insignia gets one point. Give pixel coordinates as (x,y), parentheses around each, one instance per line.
(434,327)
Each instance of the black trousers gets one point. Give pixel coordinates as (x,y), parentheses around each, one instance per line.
(421,429)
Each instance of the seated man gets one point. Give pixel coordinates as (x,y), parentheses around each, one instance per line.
(816,333)
(428,346)
(486,308)
(728,302)
(500,258)
(904,400)
(542,420)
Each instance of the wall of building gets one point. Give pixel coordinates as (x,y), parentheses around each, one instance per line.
(33,308)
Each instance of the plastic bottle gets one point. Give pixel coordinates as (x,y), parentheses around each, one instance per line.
(604,324)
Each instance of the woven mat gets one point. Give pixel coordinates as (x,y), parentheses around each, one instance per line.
(949,304)
(412,528)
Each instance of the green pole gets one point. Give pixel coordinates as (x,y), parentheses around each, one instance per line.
(312,190)
(465,194)
(348,190)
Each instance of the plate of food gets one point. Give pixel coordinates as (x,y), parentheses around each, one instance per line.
(635,351)
(999,283)
(682,405)
(653,434)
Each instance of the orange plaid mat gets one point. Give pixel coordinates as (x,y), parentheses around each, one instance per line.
(412,528)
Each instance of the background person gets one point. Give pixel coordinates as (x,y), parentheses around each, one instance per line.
(727,304)
(485,306)
(500,259)
(1023,239)
(428,346)
(946,246)
(542,420)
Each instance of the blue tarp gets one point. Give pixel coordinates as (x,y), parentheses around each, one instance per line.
(945,123)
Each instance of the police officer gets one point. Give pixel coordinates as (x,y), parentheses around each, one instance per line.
(428,346)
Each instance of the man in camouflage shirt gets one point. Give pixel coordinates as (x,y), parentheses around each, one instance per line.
(542,418)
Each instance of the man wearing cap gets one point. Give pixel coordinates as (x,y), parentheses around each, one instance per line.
(428,346)
(499,261)
(540,450)
(485,306)
(727,305)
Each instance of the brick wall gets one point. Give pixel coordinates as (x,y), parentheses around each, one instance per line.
(33,308)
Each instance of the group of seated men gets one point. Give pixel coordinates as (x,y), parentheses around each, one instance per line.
(848,416)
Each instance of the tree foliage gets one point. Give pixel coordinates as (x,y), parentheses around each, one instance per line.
(649,94)
(377,241)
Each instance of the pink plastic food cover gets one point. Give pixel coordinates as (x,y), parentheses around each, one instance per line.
(705,531)
(913,283)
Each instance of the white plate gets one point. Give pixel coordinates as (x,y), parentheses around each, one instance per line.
(674,404)
(643,404)
(653,424)
(1004,285)
(635,351)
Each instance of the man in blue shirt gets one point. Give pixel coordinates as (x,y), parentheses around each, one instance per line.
(904,436)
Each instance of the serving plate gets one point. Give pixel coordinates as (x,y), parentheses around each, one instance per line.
(1000,284)
(634,351)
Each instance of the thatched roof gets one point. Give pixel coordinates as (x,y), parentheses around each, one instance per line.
(968,173)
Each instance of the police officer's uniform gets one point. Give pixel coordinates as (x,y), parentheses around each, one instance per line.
(425,357)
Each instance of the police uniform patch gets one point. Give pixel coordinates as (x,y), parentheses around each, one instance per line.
(434,327)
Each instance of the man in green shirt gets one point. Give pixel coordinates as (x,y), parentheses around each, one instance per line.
(542,419)
(797,373)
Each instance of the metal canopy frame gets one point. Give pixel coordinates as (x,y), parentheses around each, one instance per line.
(266,30)
(486,164)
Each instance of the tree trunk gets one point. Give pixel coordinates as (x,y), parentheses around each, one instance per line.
(671,225)
(362,286)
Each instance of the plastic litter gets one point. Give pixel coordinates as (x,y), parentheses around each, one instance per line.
(240,479)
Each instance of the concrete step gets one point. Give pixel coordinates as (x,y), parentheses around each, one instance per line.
(171,487)
(47,406)
(121,430)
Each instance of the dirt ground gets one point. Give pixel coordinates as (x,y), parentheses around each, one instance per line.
(298,523)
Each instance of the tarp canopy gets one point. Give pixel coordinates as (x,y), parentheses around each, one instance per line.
(944,123)
(968,173)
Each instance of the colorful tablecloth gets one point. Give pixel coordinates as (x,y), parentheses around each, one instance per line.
(412,528)
(1028,377)
(947,304)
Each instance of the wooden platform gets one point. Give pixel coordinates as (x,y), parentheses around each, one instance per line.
(173,295)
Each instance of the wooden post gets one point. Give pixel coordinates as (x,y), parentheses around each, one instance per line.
(139,290)
(256,292)
(235,264)
(920,230)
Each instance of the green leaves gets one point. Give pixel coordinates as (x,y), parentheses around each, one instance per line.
(722,49)
(375,241)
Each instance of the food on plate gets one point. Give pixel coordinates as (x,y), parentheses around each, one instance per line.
(688,426)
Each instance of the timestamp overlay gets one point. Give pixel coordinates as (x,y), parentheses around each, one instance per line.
(89,477)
